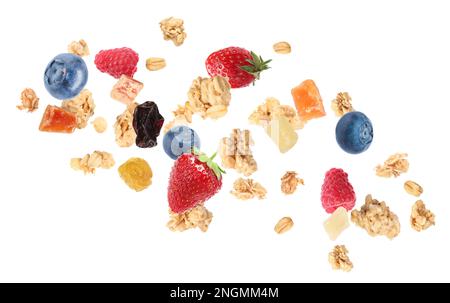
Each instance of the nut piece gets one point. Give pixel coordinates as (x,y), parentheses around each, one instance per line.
(100,124)
(29,100)
(284,225)
(245,189)
(421,218)
(272,108)
(173,29)
(82,106)
(413,188)
(289,182)
(198,216)
(79,48)
(376,218)
(282,48)
(90,162)
(236,153)
(342,104)
(393,166)
(338,258)
(154,64)
(126,89)
(336,223)
(123,128)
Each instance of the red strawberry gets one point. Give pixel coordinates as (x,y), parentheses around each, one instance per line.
(117,62)
(240,66)
(194,179)
(337,191)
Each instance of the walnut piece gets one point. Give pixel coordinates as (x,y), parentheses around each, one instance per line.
(245,189)
(338,258)
(29,100)
(271,108)
(90,162)
(342,104)
(421,217)
(123,128)
(198,216)
(100,124)
(376,218)
(413,188)
(126,89)
(79,48)
(82,106)
(289,182)
(236,153)
(173,29)
(393,166)
(154,64)
(282,47)
(284,225)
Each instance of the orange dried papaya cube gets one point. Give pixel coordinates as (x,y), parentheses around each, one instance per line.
(58,120)
(308,101)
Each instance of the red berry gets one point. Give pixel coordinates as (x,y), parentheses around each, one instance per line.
(239,65)
(337,191)
(117,62)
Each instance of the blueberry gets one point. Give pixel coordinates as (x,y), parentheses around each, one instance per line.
(65,76)
(354,132)
(179,140)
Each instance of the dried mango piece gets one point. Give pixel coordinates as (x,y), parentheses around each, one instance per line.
(58,120)
(308,101)
(136,173)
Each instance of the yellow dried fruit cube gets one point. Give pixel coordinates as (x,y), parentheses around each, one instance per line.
(336,223)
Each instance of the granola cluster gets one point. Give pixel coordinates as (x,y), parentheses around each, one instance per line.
(29,100)
(82,106)
(342,104)
(421,217)
(245,189)
(339,259)
(123,128)
(393,166)
(289,182)
(236,154)
(198,216)
(271,108)
(79,48)
(173,29)
(90,162)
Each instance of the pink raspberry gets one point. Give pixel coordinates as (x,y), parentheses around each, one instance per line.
(337,191)
(117,62)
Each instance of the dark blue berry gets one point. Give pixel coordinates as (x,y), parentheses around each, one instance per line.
(179,140)
(354,132)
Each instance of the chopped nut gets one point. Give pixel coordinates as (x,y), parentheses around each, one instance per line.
(336,223)
(100,124)
(236,154)
(29,100)
(413,188)
(338,258)
(198,216)
(376,218)
(284,225)
(154,64)
(421,218)
(393,166)
(342,104)
(289,182)
(126,89)
(90,162)
(282,48)
(173,29)
(245,189)
(82,106)
(79,48)
(272,108)
(124,131)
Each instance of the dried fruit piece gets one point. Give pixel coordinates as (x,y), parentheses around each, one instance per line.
(336,223)
(282,133)
(100,124)
(272,108)
(136,173)
(338,258)
(393,166)
(82,106)
(282,47)
(198,216)
(376,218)
(308,101)
(147,123)
(236,153)
(421,217)
(284,225)
(289,182)
(245,189)
(154,64)
(29,100)
(342,104)
(79,48)
(90,162)
(413,188)
(126,89)
(123,128)
(58,120)
(173,29)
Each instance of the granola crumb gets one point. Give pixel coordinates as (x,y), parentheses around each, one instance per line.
(271,108)
(245,189)
(100,124)
(339,260)
(289,182)
(82,106)
(236,153)
(29,100)
(90,162)
(173,29)
(342,104)
(421,217)
(198,216)
(79,48)
(123,128)
(284,225)
(393,166)
(376,218)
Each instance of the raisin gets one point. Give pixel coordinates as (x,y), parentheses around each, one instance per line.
(136,173)
(147,123)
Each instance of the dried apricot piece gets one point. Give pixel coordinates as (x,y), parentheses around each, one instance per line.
(136,173)
(58,120)
(308,101)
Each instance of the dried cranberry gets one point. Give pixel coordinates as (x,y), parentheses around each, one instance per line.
(147,123)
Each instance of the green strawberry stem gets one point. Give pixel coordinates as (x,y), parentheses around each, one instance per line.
(218,171)
(257,65)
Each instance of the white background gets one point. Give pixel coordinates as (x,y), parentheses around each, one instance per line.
(391,56)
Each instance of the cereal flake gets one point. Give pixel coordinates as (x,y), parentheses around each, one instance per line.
(79,48)
(29,100)
(342,104)
(123,128)
(245,189)
(339,259)
(393,166)
(284,225)
(289,182)
(82,106)
(236,153)
(90,162)
(198,216)
(272,108)
(173,29)
(421,217)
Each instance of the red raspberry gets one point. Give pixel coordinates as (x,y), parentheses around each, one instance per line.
(117,62)
(337,191)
